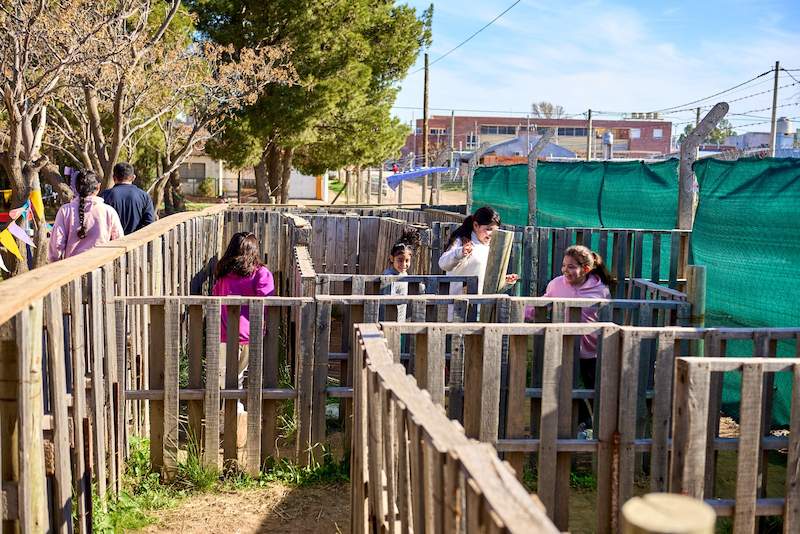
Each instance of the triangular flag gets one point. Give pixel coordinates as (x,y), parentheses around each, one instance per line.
(6,195)
(38,205)
(3,265)
(20,234)
(7,240)
(15,213)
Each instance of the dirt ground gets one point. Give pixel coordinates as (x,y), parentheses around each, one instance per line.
(277,508)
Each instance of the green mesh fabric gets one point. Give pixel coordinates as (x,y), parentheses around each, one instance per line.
(747,232)
(590,194)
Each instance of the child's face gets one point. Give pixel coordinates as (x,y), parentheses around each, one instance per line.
(484,232)
(573,271)
(401,261)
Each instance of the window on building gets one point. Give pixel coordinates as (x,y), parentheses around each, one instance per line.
(498,130)
(192,171)
(541,130)
(472,141)
(658,133)
(438,131)
(418,131)
(636,133)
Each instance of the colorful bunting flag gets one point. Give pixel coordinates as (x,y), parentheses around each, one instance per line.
(7,240)
(3,265)
(20,234)
(38,205)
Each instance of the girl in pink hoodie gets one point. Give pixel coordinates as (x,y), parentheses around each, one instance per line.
(85,222)
(584,277)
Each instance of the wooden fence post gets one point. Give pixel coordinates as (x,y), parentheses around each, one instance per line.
(494,279)
(696,294)
(32,488)
(533,160)
(686,194)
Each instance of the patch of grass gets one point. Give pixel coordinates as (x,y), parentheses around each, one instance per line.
(582,481)
(328,471)
(335,185)
(197,206)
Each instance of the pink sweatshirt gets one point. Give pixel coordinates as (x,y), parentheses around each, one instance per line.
(258,284)
(100,221)
(592,288)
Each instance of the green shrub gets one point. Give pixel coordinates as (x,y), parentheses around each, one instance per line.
(208,187)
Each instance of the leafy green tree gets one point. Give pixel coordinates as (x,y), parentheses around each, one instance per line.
(722,131)
(349,57)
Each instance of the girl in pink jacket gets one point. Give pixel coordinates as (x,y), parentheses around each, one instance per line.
(85,222)
(584,277)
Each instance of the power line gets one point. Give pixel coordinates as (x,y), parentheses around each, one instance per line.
(468,39)
(716,94)
(790,75)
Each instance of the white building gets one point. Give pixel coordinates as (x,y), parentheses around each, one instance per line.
(200,166)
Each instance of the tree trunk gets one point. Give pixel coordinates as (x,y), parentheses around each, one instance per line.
(63,190)
(262,176)
(274,163)
(286,168)
(173,196)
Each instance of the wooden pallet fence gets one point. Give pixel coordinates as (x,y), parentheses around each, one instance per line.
(538,251)
(207,356)
(64,430)
(413,469)
(691,416)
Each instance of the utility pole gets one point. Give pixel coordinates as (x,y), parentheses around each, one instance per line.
(773,128)
(697,118)
(528,132)
(425,130)
(589,137)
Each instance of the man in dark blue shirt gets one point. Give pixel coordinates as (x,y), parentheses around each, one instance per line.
(133,205)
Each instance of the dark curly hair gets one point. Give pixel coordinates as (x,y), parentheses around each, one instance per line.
(408,242)
(241,256)
(86,183)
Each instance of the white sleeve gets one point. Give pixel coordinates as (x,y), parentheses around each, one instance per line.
(452,256)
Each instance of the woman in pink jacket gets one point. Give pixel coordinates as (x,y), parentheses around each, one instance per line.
(584,277)
(85,222)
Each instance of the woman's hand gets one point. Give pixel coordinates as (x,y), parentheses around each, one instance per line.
(511,279)
(466,249)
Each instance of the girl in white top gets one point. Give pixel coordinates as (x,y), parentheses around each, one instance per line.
(467,252)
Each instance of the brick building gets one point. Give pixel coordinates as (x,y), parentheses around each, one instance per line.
(633,138)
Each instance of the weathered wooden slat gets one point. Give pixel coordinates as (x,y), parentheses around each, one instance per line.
(517,380)
(211,399)
(57,380)
(229,452)
(662,409)
(270,408)
(195,361)
(171,370)
(33,513)
(77,352)
(255,379)
(791,515)
(551,379)
(747,460)
(305,381)
(98,413)
(689,422)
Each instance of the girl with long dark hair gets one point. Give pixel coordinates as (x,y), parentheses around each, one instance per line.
(467,251)
(240,272)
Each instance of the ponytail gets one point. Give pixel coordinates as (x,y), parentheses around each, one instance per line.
(600,270)
(408,242)
(86,183)
(483,216)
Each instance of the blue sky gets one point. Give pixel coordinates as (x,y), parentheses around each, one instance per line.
(616,56)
